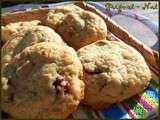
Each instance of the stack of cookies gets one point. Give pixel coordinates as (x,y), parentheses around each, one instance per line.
(48,70)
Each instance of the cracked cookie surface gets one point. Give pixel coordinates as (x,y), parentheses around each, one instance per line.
(77,27)
(30,37)
(11,30)
(113,71)
(43,81)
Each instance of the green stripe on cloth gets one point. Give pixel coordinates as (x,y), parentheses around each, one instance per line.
(90,116)
(136,108)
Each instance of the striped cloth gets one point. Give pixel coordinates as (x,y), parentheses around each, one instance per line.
(143,105)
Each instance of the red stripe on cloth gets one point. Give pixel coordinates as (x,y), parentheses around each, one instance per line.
(128,110)
(143,103)
(97,114)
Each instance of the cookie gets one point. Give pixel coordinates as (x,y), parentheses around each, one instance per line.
(11,30)
(77,28)
(43,81)
(56,15)
(113,72)
(29,37)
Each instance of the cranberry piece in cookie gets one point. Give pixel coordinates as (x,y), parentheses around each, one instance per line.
(61,85)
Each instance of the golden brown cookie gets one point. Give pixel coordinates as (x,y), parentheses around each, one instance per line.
(77,28)
(11,30)
(113,72)
(56,15)
(29,37)
(43,81)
